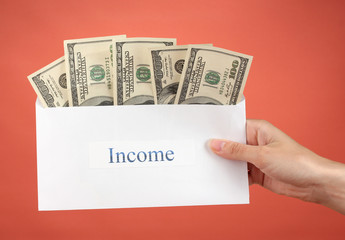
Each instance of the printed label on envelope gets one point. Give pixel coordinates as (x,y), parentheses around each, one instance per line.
(124,154)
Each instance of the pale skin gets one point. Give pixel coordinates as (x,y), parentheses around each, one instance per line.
(280,164)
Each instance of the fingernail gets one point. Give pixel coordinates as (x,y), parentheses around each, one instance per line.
(217,145)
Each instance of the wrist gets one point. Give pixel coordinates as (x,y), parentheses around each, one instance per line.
(331,188)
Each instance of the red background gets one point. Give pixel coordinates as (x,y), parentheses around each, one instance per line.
(296,82)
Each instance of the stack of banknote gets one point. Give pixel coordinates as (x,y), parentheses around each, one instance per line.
(117,70)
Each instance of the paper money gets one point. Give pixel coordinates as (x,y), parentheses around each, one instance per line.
(50,84)
(89,70)
(167,66)
(213,76)
(133,85)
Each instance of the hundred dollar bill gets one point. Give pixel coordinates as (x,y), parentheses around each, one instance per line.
(133,75)
(89,70)
(167,66)
(213,76)
(50,84)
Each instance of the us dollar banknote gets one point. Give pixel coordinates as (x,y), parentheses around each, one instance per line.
(89,70)
(133,85)
(167,67)
(50,84)
(213,76)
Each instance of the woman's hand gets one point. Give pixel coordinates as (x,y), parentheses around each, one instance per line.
(278,163)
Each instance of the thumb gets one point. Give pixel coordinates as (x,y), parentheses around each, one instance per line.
(235,151)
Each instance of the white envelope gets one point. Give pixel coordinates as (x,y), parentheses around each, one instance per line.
(138,156)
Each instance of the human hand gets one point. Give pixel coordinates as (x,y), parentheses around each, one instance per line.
(278,163)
